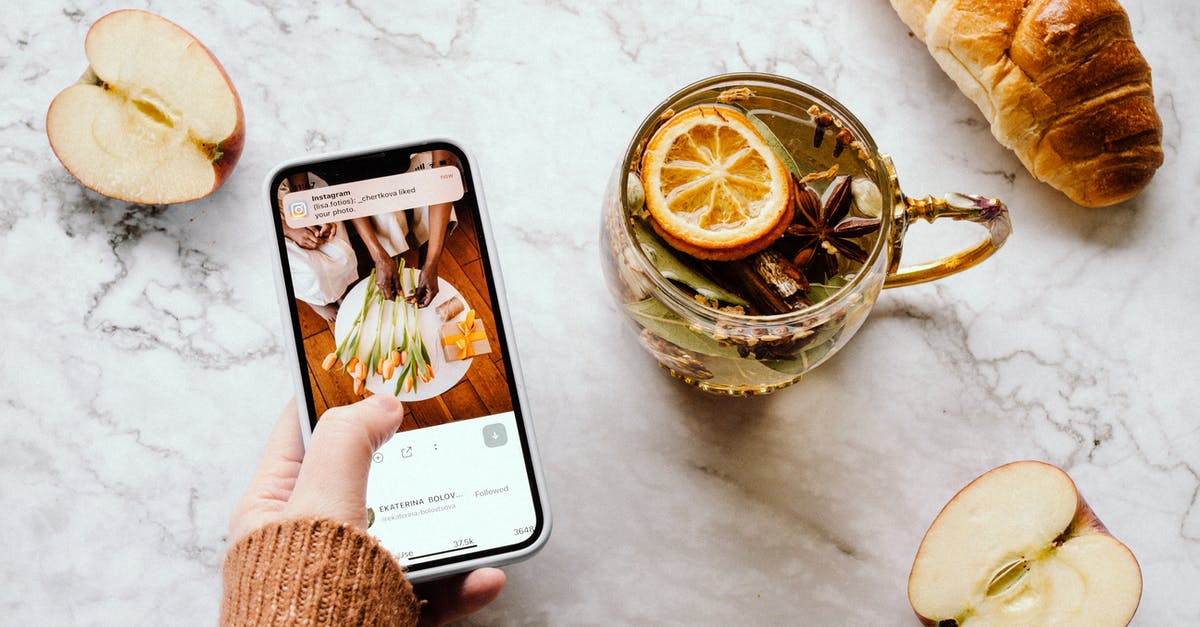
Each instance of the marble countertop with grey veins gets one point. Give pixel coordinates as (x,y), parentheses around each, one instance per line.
(142,363)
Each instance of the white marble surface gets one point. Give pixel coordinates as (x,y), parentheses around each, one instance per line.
(141,364)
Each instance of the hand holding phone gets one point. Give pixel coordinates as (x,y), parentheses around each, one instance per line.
(404,299)
(330,481)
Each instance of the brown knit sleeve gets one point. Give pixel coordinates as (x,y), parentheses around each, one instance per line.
(314,572)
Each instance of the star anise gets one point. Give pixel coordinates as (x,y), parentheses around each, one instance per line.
(822,229)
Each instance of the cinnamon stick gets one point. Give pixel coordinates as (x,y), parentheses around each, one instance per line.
(780,273)
(769,281)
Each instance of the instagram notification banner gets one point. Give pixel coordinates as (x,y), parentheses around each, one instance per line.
(361,199)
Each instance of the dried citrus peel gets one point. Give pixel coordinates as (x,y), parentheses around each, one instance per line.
(714,187)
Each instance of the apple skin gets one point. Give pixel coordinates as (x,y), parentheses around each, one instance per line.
(230,148)
(1083,522)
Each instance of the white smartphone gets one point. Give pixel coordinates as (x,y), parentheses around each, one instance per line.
(389,284)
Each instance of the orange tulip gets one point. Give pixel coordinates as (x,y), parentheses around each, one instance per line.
(330,360)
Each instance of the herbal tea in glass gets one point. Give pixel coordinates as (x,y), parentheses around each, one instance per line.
(751,226)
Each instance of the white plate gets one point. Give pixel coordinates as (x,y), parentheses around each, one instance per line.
(445,373)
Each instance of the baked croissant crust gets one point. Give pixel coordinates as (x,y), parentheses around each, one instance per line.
(1060,81)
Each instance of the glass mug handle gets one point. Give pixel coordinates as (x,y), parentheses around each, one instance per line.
(989,213)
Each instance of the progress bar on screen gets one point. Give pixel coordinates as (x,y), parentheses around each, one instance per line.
(461,548)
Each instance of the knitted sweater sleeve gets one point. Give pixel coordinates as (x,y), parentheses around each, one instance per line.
(314,572)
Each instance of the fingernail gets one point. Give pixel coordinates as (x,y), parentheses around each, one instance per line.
(386,402)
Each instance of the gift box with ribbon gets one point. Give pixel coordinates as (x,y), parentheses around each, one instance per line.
(465,339)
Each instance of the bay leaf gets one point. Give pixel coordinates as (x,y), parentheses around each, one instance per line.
(772,140)
(813,352)
(671,267)
(818,292)
(664,323)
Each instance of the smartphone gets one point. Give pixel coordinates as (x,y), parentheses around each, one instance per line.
(390,284)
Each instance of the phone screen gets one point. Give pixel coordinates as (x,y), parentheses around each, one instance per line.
(392,292)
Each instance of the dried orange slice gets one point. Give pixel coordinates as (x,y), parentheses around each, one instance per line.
(714,188)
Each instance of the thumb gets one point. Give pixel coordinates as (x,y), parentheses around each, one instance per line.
(333,477)
(457,597)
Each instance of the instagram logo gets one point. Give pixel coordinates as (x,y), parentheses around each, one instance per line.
(298,210)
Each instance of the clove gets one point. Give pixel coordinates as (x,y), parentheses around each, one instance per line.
(823,121)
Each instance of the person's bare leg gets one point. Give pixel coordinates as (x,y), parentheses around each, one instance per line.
(328,312)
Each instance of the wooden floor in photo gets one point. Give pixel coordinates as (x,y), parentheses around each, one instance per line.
(484,391)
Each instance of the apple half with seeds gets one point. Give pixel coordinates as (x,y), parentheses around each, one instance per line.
(1019,546)
(153,120)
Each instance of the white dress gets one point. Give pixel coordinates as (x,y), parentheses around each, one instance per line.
(393,229)
(320,275)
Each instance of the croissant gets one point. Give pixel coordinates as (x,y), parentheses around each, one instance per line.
(1060,81)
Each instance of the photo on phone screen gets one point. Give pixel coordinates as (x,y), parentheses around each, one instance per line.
(392,291)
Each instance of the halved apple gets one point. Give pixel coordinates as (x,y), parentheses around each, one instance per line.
(154,119)
(1019,546)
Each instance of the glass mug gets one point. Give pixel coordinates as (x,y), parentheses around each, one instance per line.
(676,308)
